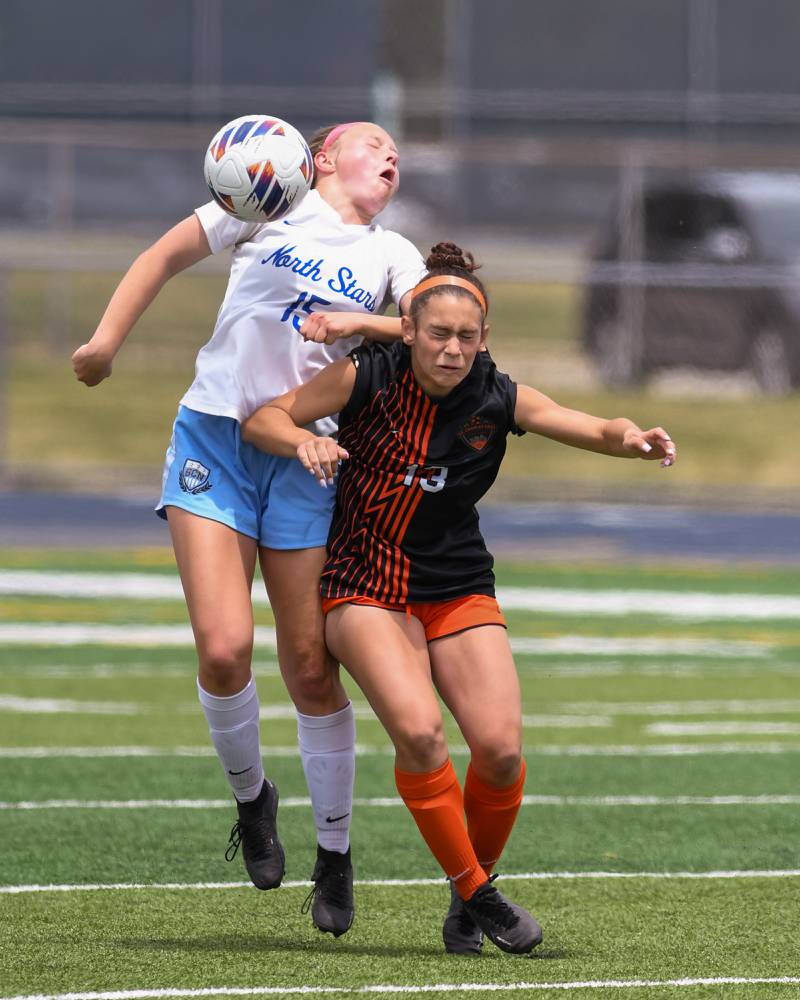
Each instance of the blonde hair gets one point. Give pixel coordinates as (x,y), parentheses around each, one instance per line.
(317,141)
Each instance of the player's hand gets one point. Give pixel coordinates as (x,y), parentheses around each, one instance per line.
(328,327)
(91,364)
(321,456)
(653,445)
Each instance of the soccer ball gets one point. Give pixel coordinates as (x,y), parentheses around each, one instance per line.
(258,168)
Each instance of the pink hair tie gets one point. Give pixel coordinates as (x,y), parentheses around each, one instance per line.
(334,133)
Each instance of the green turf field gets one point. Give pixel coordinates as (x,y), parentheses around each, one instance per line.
(658,845)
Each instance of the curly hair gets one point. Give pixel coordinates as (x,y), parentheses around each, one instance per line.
(448,259)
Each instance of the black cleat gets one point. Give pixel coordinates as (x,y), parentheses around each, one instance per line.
(461,934)
(331,899)
(257,831)
(507,925)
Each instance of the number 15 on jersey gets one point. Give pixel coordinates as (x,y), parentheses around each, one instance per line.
(302,305)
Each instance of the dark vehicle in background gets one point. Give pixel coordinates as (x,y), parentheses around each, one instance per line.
(701,272)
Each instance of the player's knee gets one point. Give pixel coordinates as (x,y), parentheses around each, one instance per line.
(420,744)
(225,662)
(311,687)
(499,764)
(311,676)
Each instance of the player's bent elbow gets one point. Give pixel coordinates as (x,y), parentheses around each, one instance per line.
(248,431)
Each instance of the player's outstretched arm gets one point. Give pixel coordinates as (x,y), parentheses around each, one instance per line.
(279,427)
(620,437)
(185,244)
(327,327)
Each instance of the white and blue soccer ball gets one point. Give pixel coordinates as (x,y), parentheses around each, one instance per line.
(258,168)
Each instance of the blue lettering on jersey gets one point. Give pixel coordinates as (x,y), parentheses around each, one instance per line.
(282,257)
(344,282)
(349,288)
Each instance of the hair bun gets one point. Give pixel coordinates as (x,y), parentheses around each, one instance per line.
(449,256)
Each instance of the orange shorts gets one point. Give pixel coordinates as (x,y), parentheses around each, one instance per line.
(439,618)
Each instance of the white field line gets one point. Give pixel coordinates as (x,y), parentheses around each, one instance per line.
(131,586)
(104,671)
(85,633)
(579,645)
(57,706)
(769,873)
(60,706)
(748,666)
(101,673)
(723,729)
(566,716)
(450,989)
(540,721)
(586,668)
(554,750)
(764,706)
(695,605)
(671,604)
(393,802)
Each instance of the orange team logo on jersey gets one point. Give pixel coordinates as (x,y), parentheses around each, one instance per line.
(477,432)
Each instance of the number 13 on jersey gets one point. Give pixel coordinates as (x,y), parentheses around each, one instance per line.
(432,482)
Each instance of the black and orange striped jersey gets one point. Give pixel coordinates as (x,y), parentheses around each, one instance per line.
(405,528)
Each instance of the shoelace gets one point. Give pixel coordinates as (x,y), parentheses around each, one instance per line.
(466,925)
(492,904)
(465,922)
(309,899)
(334,886)
(233,841)
(259,827)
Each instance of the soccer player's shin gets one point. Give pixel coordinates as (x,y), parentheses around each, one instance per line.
(435,801)
(234,726)
(491,814)
(327,749)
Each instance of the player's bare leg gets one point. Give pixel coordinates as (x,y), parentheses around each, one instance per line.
(475,675)
(216,566)
(325,725)
(309,671)
(387,654)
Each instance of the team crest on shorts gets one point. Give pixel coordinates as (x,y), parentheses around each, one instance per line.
(477,432)
(193,477)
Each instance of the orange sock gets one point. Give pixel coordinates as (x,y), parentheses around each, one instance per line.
(434,800)
(491,814)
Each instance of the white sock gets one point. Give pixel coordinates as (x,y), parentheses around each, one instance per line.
(233,722)
(328,751)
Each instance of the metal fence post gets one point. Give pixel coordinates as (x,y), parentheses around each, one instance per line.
(5,364)
(206,58)
(631,305)
(455,124)
(61,170)
(702,44)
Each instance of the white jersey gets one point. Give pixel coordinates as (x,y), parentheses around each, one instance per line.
(280,273)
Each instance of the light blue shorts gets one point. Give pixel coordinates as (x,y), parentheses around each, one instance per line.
(211,472)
